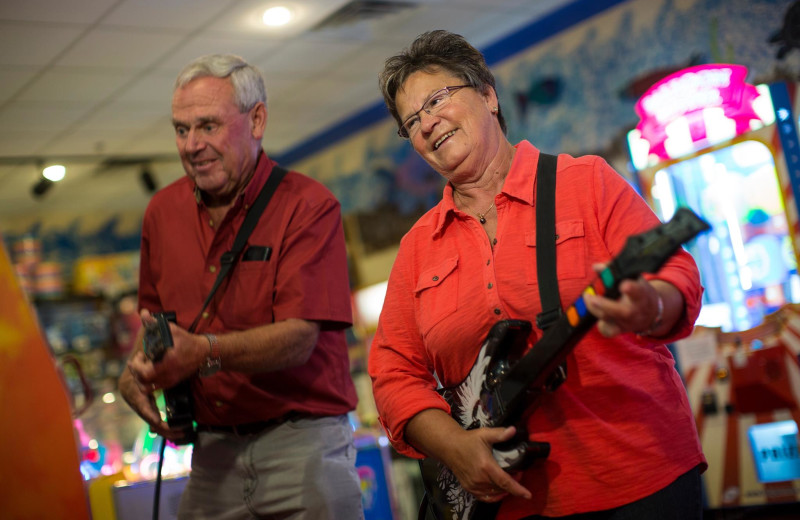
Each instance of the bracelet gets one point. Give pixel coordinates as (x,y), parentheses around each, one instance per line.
(213,343)
(659,319)
(213,362)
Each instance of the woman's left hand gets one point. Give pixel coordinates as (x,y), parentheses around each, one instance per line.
(636,310)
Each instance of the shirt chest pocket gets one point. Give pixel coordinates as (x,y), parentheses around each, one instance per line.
(436,294)
(570,251)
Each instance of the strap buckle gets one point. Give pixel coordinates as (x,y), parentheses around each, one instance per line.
(546,318)
(227,258)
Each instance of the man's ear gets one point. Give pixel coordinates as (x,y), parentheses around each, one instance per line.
(258,120)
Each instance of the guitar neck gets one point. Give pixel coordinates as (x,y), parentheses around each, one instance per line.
(642,253)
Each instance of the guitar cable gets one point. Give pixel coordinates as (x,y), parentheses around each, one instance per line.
(157,494)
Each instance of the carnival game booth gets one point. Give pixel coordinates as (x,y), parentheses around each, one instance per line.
(744,388)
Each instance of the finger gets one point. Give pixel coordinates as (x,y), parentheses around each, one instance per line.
(608,328)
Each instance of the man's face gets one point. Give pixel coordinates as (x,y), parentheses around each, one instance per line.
(218,145)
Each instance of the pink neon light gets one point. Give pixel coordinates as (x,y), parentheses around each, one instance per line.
(686,93)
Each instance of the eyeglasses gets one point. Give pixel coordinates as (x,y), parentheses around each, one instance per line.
(436,102)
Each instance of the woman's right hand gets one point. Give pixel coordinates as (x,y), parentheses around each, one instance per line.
(476,469)
(468,453)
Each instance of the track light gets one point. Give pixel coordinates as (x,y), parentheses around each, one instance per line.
(50,176)
(41,187)
(148,180)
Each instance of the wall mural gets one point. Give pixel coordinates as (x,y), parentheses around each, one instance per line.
(572,93)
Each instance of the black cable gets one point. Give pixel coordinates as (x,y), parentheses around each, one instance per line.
(157,496)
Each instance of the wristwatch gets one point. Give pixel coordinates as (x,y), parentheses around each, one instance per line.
(213,362)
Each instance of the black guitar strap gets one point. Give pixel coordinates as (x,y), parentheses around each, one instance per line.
(546,241)
(251,219)
(545,198)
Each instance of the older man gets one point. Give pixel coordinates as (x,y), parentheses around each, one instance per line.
(267,360)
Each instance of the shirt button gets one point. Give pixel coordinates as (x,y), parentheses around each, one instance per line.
(211,223)
(497,311)
(213,268)
(489,286)
(489,261)
(494,241)
(219,404)
(205,315)
(435,278)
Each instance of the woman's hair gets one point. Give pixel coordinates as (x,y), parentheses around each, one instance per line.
(434,51)
(247,81)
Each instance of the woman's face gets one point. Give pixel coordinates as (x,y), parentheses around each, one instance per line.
(461,139)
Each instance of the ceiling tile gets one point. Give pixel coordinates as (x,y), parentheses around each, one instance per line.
(36,117)
(42,42)
(13,79)
(152,88)
(72,11)
(168,14)
(23,143)
(249,48)
(119,49)
(59,85)
(306,57)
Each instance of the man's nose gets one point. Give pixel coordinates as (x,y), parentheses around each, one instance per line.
(193,142)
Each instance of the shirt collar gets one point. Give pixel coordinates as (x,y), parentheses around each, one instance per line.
(519,183)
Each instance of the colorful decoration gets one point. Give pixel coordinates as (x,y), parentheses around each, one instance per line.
(39,471)
(687,108)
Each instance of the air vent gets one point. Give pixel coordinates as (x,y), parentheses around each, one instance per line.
(362,10)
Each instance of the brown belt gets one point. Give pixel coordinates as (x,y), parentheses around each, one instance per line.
(253,428)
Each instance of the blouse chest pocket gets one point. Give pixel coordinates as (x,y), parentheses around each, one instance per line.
(436,293)
(570,251)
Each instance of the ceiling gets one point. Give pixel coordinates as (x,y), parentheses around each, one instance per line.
(88,82)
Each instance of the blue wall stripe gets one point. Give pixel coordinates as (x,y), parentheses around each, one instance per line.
(528,36)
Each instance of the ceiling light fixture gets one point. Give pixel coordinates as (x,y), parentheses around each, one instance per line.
(50,176)
(54,173)
(277,16)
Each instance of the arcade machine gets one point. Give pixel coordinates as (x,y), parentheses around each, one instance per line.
(729,150)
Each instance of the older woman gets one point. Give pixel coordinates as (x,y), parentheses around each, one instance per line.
(622,435)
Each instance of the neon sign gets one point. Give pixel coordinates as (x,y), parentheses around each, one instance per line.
(687,109)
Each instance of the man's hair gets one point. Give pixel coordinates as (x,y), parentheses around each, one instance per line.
(247,81)
(437,51)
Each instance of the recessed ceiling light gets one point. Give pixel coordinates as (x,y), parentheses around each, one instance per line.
(277,16)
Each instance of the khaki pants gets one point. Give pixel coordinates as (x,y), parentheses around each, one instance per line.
(303,469)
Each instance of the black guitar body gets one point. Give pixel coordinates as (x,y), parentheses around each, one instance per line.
(503,346)
(505,382)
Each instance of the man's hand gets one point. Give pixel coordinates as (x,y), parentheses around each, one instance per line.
(143,378)
(140,397)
